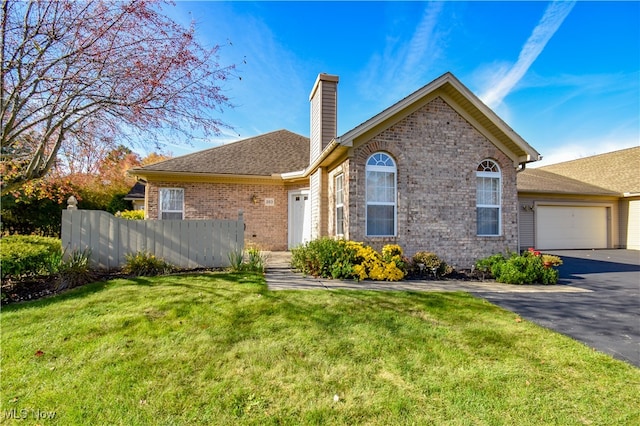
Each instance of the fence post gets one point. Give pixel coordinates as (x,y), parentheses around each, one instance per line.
(66,233)
(72,203)
(240,231)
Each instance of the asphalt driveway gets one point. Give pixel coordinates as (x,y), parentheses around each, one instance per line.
(606,318)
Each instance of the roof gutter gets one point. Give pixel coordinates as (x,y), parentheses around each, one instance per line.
(139,173)
(323,156)
(522,168)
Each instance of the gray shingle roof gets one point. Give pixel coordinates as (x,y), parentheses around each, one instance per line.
(276,152)
(617,171)
(613,173)
(539,180)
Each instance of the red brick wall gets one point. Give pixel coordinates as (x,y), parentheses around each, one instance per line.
(436,153)
(266,226)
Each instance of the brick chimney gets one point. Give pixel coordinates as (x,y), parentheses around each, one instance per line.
(324,113)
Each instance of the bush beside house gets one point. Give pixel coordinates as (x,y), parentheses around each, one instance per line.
(342,259)
(530,267)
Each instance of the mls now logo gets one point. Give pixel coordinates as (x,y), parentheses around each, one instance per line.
(23,414)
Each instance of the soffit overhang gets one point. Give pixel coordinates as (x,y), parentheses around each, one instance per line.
(158,176)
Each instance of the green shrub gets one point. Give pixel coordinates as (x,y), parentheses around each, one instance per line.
(118,203)
(144,264)
(251,260)
(28,215)
(530,267)
(28,255)
(340,259)
(322,257)
(131,214)
(425,264)
(486,265)
(236,259)
(75,270)
(255,260)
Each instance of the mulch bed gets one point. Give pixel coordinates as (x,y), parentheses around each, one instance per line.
(33,288)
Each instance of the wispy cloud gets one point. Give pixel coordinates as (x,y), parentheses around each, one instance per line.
(402,65)
(505,80)
(573,150)
(423,47)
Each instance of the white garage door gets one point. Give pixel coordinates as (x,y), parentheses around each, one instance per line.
(571,227)
(633,227)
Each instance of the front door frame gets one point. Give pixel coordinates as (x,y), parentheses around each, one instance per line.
(306,220)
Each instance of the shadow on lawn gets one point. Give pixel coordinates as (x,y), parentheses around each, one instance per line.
(328,307)
(42,291)
(75,293)
(250,298)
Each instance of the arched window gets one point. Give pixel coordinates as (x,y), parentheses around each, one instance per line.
(381,195)
(488,198)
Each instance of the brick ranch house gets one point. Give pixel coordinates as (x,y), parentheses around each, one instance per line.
(435,171)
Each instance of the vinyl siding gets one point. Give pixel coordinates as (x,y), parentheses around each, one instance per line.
(526,224)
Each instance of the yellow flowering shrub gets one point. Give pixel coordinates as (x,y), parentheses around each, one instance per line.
(349,259)
(391,250)
(377,266)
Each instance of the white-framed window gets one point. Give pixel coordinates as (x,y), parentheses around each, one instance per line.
(488,198)
(339,191)
(381,195)
(171,202)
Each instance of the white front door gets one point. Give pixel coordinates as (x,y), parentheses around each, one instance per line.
(299,218)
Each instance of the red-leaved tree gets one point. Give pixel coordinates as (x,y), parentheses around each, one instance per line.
(118,69)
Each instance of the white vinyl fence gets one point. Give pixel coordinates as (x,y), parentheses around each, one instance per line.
(183,243)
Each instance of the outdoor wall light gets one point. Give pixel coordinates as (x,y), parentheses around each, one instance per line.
(254,199)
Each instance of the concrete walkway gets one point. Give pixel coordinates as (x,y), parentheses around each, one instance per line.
(279,276)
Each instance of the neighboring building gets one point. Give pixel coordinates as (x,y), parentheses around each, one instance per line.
(436,171)
(589,203)
(136,196)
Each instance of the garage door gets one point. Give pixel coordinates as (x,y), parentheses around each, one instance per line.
(571,227)
(633,227)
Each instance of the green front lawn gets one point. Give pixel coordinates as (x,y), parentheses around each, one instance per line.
(222,349)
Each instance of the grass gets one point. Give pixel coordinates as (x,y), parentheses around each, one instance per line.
(222,349)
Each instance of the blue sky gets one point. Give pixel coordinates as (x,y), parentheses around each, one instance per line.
(564,75)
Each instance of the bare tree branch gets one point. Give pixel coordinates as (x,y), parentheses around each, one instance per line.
(115,68)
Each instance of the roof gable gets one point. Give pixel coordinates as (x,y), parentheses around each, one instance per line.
(454,93)
(272,153)
(136,192)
